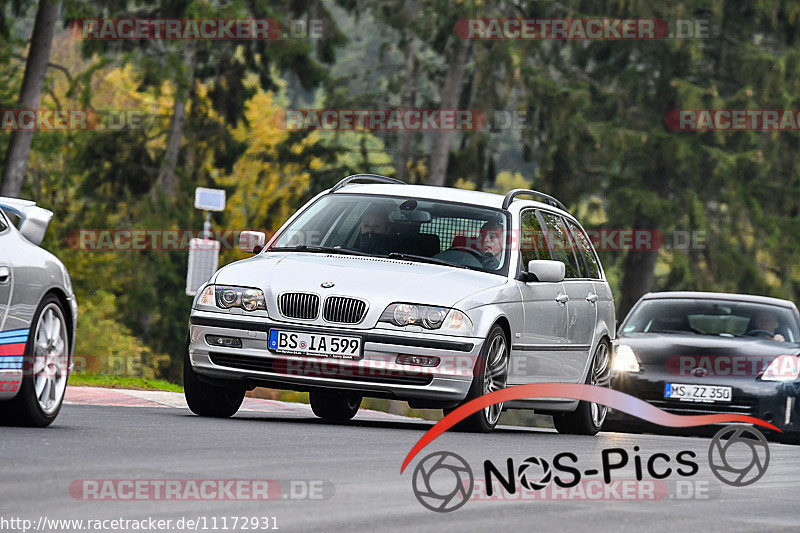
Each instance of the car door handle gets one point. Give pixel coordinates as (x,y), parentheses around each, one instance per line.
(562,298)
(5,274)
(591,298)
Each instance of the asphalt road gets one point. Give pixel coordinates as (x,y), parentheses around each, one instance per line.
(361,460)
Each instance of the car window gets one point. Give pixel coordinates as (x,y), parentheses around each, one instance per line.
(722,318)
(465,235)
(584,248)
(560,244)
(3,225)
(532,243)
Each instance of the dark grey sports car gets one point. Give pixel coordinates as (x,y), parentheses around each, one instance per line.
(707,353)
(38,313)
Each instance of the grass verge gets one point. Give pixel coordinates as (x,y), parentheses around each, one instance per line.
(119,382)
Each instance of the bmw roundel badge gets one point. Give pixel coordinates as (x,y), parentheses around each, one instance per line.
(327,284)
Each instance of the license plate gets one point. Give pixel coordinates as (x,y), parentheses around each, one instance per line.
(697,393)
(301,343)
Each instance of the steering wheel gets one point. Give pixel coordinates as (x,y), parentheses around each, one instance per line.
(755,332)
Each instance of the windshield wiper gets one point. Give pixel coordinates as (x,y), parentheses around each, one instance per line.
(316,249)
(422,259)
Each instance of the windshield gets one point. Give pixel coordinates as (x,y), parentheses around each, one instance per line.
(404,228)
(723,318)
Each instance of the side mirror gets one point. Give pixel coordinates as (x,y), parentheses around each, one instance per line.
(547,271)
(252,241)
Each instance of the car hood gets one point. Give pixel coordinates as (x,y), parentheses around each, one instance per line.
(378,281)
(665,350)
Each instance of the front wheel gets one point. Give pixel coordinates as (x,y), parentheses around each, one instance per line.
(205,399)
(334,406)
(588,418)
(490,375)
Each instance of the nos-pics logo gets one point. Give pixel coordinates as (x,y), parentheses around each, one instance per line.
(444,481)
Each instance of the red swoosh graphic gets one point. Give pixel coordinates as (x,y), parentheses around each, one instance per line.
(588,393)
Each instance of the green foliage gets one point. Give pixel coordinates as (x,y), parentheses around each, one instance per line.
(594,135)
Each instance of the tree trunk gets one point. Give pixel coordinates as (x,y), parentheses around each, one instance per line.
(19,145)
(638,271)
(167,181)
(440,151)
(408,98)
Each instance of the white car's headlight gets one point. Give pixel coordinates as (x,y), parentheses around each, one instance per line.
(625,359)
(226,297)
(782,368)
(427,316)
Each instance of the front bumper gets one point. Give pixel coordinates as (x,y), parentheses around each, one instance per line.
(376,374)
(771,401)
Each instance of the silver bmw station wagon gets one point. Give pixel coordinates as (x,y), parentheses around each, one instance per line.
(426,294)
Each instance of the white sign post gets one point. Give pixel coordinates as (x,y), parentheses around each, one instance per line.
(204,253)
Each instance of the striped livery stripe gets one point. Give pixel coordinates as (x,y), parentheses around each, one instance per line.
(12,348)
(14,336)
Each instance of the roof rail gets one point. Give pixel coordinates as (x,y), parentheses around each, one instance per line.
(370,177)
(549,200)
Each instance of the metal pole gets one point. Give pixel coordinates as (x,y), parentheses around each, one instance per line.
(207,226)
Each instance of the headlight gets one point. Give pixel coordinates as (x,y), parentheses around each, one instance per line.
(782,368)
(625,360)
(227,297)
(427,316)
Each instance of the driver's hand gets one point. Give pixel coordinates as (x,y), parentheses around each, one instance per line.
(778,337)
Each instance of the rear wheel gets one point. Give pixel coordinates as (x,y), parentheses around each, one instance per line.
(46,368)
(588,418)
(205,399)
(491,374)
(334,406)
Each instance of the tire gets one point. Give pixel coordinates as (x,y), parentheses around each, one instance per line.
(46,368)
(334,406)
(209,400)
(490,374)
(589,417)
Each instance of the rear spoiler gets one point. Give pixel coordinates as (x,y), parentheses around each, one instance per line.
(33,220)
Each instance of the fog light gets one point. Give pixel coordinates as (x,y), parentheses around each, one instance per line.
(225,342)
(418,360)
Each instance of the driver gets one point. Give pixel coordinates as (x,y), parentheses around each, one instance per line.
(767,323)
(375,221)
(490,240)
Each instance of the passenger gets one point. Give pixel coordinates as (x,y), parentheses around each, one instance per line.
(765,325)
(373,237)
(490,240)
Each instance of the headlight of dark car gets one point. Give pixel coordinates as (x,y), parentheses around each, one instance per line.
(782,368)
(625,359)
